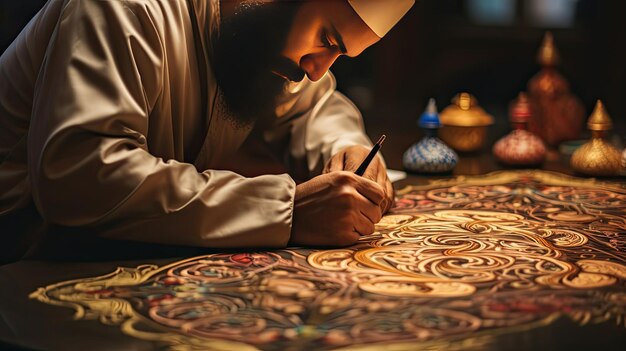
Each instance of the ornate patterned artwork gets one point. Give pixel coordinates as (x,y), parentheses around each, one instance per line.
(456,262)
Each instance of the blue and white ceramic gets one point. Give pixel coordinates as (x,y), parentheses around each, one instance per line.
(430,155)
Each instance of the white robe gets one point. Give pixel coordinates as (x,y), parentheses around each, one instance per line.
(101,105)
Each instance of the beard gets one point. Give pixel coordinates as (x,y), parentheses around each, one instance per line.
(246,52)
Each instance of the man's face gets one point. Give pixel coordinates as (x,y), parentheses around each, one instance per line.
(322,31)
(264,44)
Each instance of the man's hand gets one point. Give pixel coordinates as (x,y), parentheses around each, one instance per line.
(350,158)
(335,209)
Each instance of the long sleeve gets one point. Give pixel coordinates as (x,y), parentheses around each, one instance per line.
(319,122)
(92,128)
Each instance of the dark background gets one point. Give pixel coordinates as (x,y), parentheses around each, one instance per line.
(443,47)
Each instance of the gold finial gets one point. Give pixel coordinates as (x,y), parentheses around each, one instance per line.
(548,54)
(465,101)
(599,119)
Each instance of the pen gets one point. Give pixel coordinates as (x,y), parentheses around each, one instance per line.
(370,156)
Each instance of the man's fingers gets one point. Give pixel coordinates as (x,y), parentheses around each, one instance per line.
(354,157)
(390,196)
(378,173)
(335,163)
(352,161)
(363,225)
(370,189)
(381,174)
(372,213)
(373,170)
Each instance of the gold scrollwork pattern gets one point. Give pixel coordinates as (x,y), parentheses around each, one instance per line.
(457,259)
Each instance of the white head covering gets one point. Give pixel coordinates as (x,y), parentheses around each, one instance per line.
(381,15)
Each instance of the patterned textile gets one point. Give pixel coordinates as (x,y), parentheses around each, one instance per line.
(456,262)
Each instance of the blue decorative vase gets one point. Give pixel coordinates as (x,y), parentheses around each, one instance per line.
(430,155)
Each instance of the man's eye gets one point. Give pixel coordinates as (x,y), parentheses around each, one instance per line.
(325,42)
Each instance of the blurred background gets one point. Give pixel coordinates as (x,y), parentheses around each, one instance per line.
(485,47)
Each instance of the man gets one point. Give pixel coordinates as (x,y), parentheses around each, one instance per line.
(118,116)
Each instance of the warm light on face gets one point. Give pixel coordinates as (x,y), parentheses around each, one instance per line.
(321,32)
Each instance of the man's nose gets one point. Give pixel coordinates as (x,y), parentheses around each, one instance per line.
(317,64)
